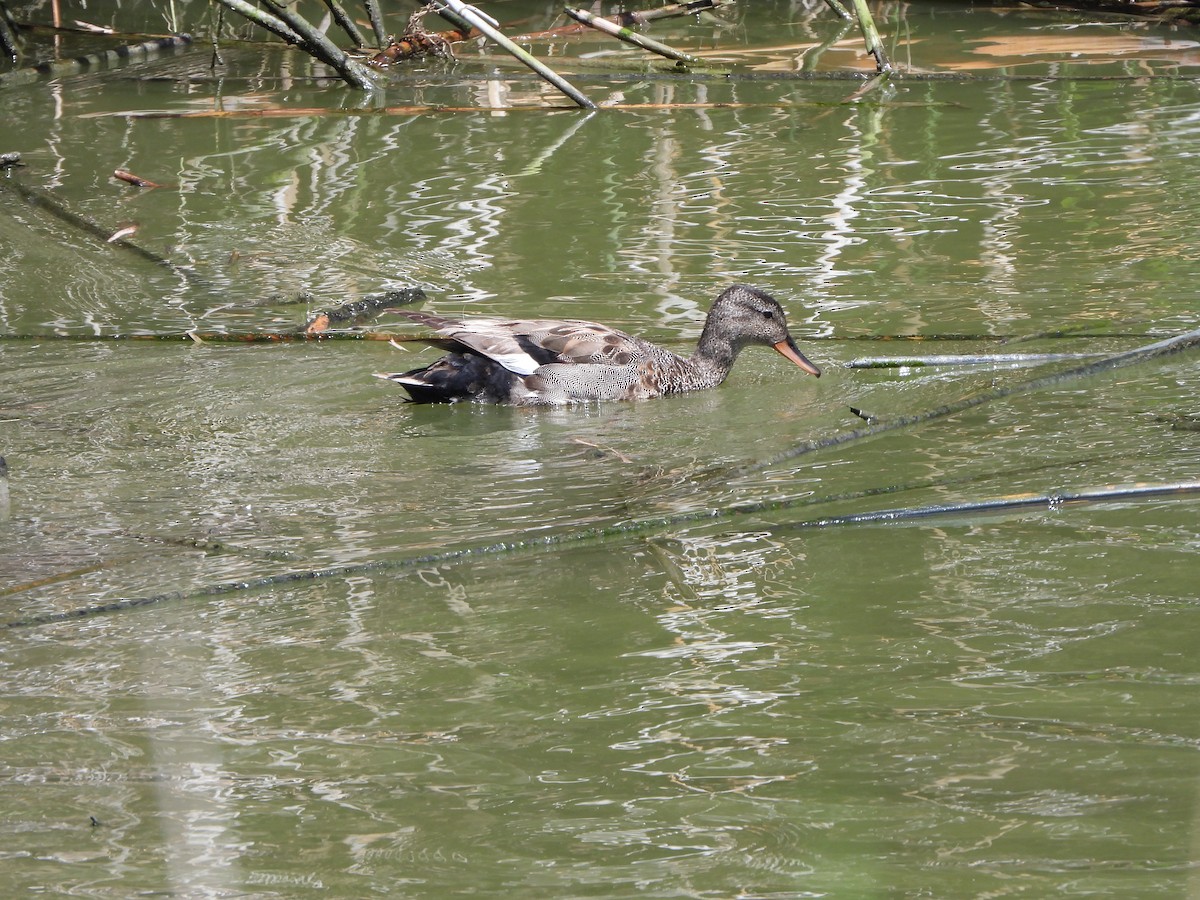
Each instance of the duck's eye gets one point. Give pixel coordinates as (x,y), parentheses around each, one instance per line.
(768,314)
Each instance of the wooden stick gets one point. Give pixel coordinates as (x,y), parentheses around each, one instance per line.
(376,22)
(57,67)
(8,38)
(135,180)
(295,29)
(318,45)
(624,529)
(488,28)
(416,41)
(980,359)
(692,8)
(265,20)
(1012,503)
(839,9)
(346,23)
(304,112)
(357,312)
(45,201)
(635,17)
(871,36)
(418,45)
(629,36)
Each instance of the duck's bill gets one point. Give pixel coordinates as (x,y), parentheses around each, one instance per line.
(788,349)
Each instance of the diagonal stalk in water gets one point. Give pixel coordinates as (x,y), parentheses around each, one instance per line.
(347,24)
(871,36)
(376,18)
(459,11)
(295,29)
(584,536)
(630,36)
(1146,353)
(642,526)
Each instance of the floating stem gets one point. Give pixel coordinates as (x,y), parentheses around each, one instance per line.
(576,537)
(972,359)
(630,36)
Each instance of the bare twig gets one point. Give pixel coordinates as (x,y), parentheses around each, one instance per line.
(295,29)
(578,536)
(839,9)
(373,14)
(9,44)
(978,359)
(871,36)
(630,37)
(346,23)
(456,9)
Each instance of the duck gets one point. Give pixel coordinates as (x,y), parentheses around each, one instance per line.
(540,362)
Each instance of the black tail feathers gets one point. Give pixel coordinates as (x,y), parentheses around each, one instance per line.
(457,376)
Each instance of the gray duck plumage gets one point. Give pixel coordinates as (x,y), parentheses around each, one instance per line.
(536,362)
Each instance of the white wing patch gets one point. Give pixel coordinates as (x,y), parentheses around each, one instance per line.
(516,361)
(495,339)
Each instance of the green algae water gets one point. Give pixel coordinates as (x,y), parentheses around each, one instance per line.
(621,694)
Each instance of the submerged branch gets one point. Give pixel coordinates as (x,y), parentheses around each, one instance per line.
(974,359)
(629,36)
(306,112)
(46,202)
(358,312)
(60,67)
(1003,504)
(578,537)
(258,337)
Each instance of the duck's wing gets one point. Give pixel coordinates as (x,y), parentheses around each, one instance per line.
(525,345)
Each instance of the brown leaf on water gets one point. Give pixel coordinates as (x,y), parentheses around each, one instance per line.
(318,324)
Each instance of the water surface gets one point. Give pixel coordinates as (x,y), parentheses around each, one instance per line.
(635,689)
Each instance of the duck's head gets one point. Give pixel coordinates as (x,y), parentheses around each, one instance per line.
(746,315)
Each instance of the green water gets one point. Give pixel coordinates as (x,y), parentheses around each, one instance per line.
(624,695)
